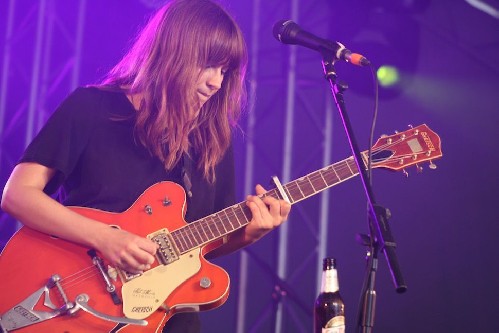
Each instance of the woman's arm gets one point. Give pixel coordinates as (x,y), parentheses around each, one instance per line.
(24,199)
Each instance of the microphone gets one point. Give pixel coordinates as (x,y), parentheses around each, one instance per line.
(288,32)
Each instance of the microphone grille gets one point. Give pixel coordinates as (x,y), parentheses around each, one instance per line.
(284,29)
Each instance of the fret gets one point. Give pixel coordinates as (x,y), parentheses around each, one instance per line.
(177,241)
(246,213)
(188,243)
(215,224)
(198,228)
(338,178)
(311,187)
(220,222)
(318,182)
(336,169)
(346,170)
(287,193)
(229,226)
(348,165)
(189,236)
(291,187)
(236,216)
(239,223)
(228,218)
(204,229)
(306,186)
(295,191)
(186,234)
(210,226)
(352,169)
(338,172)
(183,242)
(226,223)
(274,193)
(322,176)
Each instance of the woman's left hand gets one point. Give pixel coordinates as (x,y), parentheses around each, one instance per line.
(267,214)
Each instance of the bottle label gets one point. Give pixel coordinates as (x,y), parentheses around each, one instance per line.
(330,281)
(335,325)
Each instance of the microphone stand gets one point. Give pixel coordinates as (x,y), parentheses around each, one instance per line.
(380,234)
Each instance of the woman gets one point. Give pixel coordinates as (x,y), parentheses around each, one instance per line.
(164,112)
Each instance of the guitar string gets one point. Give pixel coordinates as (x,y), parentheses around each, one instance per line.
(191,236)
(188,232)
(340,172)
(81,276)
(68,283)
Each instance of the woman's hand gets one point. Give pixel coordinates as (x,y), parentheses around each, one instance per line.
(267,214)
(127,251)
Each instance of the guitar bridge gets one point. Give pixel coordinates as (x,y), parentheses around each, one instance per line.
(168,251)
(23,314)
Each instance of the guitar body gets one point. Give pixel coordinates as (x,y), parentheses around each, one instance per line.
(31,258)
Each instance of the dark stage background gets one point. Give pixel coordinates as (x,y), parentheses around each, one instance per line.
(445,221)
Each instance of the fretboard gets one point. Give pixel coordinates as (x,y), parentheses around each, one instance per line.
(217,225)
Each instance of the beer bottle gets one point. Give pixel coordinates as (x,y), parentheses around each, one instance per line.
(329,309)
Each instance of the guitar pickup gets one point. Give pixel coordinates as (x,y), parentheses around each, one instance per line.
(168,251)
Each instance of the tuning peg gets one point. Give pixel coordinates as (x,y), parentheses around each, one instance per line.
(419,168)
(388,140)
(406,174)
(432,165)
(402,136)
(410,126)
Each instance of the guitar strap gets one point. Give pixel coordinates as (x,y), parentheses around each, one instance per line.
(186,174)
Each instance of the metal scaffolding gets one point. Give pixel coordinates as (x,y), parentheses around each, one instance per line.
(290,102)
(40,63)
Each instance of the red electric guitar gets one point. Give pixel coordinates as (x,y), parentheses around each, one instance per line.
(50,285)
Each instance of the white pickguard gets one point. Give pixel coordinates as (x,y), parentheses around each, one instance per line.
(145,294)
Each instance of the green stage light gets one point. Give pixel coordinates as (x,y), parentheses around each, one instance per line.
(388,76)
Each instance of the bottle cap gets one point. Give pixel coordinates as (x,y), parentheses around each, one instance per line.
(328,263)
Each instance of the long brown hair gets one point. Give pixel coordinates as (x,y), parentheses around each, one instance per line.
(163,66)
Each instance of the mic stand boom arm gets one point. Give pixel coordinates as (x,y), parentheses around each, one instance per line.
(379,228)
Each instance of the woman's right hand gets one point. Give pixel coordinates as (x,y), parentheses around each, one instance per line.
(125,250)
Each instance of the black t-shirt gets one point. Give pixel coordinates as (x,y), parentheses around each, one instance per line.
(89,141)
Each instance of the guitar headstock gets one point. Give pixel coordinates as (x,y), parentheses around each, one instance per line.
(403,149)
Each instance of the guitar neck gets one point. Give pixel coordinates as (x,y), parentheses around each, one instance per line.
(319,180)
(217,225)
